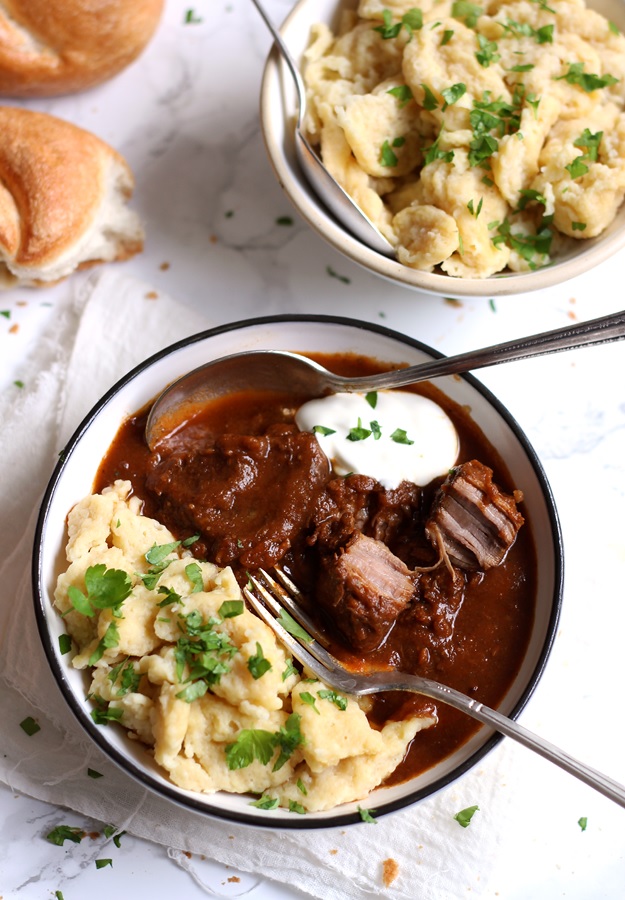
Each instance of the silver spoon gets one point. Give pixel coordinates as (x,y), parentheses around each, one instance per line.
(325,186)
(280,370)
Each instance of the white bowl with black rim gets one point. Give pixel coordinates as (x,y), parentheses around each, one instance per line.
(73,479)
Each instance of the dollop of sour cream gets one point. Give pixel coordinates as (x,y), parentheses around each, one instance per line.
(392,436)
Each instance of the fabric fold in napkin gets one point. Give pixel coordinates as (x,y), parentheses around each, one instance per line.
(113,323)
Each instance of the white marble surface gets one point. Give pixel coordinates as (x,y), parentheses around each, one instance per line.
(185,116)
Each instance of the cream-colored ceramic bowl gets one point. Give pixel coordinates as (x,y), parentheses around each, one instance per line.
(73,479)
(277,109)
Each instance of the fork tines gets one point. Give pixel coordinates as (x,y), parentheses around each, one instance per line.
(293,627)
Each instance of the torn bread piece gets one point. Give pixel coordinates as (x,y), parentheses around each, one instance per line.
(63,200)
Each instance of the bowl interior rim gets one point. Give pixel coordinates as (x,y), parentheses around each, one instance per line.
(187,799)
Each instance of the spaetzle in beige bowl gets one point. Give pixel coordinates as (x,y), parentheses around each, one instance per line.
(486,142)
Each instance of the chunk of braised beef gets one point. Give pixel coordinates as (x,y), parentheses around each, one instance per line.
(431,618)
(359,503)
(476,521)
(248,496)
(363,588)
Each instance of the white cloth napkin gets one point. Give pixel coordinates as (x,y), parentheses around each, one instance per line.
(113,323)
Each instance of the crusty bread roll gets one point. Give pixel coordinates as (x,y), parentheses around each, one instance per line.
(63,200)
(51,47)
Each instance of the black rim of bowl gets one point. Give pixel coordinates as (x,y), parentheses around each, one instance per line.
(205,807)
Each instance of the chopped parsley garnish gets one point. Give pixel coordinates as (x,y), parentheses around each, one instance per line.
(322,429)
(296,807)
(197,689)
(265,802)
(587,81)
(92,773)
(102,713)
(109,640)
(583,823)
(194,574)
(487,53)
(429,100)
(30,726)
(258,744)
(465,815)
(111,831)
(338,699)
(402,93)
(528,246)
(336,275)
(447,36)
(158,552)
(203,653)
(106,589)
(467,12)
(530,196)
(387,155)
(411,21)
(433,152)
(284,220)
(63,833)
(376,431)
(452,94)
(400,437)
(543,35)
(358,433)
(230,609)
(289,624)
(307,698)
(475,211)
(170,596)
(367,815)
(124,675)
(65,643)
(590,142)
(101,863)
(301,787)
(289,670)
(372,399)
(577,168)
(578,226)
(258,664)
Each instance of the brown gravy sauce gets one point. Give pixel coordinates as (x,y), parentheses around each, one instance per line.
(490,629)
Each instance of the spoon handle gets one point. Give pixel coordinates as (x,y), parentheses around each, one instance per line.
(293,68)
(596,331)
(512,729)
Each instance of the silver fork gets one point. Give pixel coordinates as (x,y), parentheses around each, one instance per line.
(278,602)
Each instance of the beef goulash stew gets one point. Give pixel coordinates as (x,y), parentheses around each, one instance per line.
(435,578)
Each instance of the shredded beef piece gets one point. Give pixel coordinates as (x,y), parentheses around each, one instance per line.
(363,588)
(359,503)
(248,496)
(476,522)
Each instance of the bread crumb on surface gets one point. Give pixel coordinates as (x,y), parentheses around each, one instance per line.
(390,871)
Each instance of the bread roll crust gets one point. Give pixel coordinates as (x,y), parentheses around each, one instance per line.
(63,195)
(52,47)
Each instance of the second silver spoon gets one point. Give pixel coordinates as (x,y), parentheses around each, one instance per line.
(277,370)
